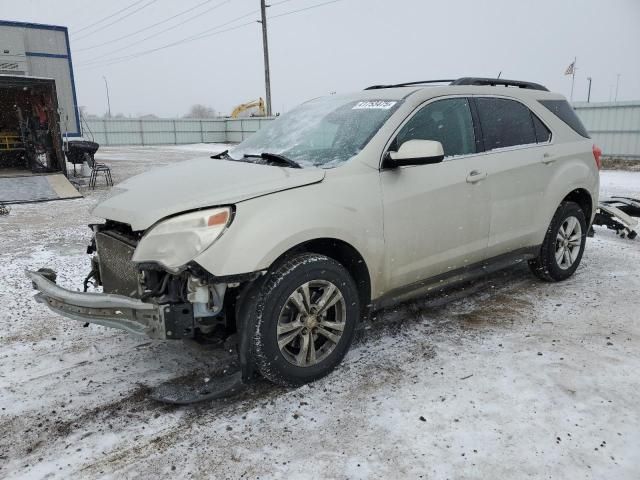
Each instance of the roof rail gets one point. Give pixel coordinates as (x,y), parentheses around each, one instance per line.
(468,81)
(498,81)
(408,84)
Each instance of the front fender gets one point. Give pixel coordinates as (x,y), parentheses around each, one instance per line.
(343,207)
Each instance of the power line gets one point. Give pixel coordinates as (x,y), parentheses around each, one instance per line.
(107,62)
(304,9)
(116,20)
(204,34)
(108,17)
(273,4)
(108,42)
(97,60)
(178,42)
(160,32)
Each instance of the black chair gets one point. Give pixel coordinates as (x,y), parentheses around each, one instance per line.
(76,151)
(97,168)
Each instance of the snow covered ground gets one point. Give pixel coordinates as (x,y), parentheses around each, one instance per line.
(511,378)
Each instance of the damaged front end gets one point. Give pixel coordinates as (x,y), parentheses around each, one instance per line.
(144,297)
(110,310)
(161,299)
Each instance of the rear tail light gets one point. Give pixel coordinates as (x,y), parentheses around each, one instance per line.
(597,154)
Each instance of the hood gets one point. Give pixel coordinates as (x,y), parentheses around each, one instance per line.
(199,183)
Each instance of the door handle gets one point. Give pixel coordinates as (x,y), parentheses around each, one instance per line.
(547,158)
(475,176)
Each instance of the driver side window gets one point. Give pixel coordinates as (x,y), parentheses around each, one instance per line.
(447,121)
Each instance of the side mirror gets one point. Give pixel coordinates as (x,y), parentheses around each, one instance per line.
(414,152)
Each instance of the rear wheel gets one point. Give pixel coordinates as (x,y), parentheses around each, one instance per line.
(563,244)
(304,321)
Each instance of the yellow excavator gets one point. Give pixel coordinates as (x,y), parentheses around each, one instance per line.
(243,107)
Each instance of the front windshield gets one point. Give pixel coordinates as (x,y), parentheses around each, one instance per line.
(325,132)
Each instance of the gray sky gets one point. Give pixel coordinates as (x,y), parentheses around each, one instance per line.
(340,47)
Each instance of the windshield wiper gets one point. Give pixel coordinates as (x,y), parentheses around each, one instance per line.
(275,157)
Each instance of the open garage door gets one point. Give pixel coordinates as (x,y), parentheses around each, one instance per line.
(32,162)
(36,188)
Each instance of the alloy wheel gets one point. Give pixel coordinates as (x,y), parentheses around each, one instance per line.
(311,323)
(568,243)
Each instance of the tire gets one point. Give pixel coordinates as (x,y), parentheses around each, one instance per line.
(570,218)
(277,317)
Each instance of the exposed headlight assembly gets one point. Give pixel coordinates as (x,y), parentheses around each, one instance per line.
(178,240)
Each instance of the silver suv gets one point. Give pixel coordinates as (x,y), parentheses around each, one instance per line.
(346,204)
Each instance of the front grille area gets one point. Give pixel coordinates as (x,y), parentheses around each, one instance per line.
(118,273)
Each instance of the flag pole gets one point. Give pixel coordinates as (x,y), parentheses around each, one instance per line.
(573,76)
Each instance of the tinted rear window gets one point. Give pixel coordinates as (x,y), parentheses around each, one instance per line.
(562,110)
(505,123)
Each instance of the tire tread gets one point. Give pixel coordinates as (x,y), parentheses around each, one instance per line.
(259,357)
(543,265)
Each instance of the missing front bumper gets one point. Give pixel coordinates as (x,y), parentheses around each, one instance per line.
(109,310)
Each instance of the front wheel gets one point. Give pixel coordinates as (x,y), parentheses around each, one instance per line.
(304,320)
(563,244)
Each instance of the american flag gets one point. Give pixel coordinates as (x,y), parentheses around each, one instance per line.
(571,68)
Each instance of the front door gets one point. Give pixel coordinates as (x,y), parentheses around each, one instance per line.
(436,217)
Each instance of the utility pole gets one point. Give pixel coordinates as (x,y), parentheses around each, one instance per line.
(265,46)
(589,91)
(106,86)
(617,85)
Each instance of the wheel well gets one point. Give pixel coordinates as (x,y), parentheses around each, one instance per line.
(583,199)
(343,253)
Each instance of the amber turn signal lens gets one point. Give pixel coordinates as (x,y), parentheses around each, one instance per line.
(219,218)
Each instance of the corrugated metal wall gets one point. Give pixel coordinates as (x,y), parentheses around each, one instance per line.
(614,127)
(117,131)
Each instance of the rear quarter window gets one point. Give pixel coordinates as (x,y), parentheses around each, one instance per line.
(564,111)
(543,134)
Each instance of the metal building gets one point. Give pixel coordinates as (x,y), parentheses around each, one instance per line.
(38,108)
(614,127)
(37,50)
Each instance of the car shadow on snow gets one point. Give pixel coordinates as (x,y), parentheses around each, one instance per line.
(474,305)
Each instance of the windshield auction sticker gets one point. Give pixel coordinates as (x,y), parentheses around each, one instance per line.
(374,105)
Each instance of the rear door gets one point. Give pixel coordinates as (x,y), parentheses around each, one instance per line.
(436,217)
(517,161)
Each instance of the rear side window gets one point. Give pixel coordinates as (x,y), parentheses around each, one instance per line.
(562,110)
(505,123)
(543,134)
(447,121)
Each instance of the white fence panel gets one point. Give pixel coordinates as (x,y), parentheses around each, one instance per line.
(137,131)
(614,127)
